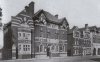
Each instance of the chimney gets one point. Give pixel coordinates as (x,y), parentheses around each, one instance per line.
(56,15)
(27,9)
(31,8)
(86,26)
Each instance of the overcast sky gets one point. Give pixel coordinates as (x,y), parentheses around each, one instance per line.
(77,12)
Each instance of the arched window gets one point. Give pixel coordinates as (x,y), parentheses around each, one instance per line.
(57,49)
(63,47)
(41,48)
(53,48)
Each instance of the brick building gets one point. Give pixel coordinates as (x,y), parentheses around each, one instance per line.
(95,39)
(79,41)
(32,34)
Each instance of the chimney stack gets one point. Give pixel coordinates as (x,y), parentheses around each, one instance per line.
(56,15)
(86,26)
(27,9)
(30,9)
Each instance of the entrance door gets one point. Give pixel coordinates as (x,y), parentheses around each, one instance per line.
(98,51)
(94,51)
(48,51)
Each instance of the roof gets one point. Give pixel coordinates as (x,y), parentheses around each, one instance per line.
(22,12)
(49,17)
(6,25)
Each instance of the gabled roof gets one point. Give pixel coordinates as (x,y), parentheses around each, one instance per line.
(93,28)
(22,12)
(74,27)
(49,17)
(71,30)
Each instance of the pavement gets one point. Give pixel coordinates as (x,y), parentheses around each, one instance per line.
(57,59)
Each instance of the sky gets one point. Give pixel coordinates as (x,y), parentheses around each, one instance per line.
(77,12)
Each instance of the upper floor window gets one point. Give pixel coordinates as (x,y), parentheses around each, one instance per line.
(24,36)
(19,34)
(26,47)
(76,34)
(87,35)
(61,48)
(61,27)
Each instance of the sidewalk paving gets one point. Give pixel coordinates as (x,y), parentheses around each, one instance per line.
(55,59)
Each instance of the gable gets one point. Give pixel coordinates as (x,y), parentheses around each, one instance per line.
(65,23)
(22,21)
(41,19)
(75,28)
(49,17)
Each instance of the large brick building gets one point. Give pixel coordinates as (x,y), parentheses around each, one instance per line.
(79,41)
(37,34)
(95,40)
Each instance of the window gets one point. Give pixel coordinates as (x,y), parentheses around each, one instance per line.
(53,48)
(26,47)
(57,48)
(76,34)
(41,29)
(19,34)
(41,48)
(19,47)
(47,35)
(23,34)
(61,48)
(87,35)
(37,48)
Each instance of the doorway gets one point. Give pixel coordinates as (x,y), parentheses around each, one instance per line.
(94,51)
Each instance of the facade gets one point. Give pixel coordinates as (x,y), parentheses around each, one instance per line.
(50,32)
(79,41)
(34,35)
(95,39)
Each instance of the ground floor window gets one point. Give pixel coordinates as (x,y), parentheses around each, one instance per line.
(52,48)
(62,48)
(26,47)
(41,48)
(57,48)
(98,51)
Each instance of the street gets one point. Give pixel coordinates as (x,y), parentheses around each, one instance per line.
(57,59)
